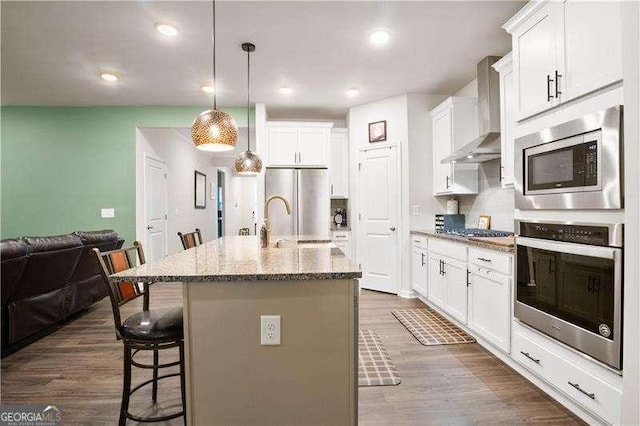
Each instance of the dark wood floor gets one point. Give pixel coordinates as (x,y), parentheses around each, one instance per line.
(79,368)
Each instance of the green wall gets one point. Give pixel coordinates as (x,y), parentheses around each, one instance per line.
(61,165)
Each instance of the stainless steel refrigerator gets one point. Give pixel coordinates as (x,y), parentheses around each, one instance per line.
(308,192)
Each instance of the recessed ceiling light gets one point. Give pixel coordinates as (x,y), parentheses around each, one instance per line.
(379,37)
(285,90)
(166,29)
(353,92)
(208,89)
(108,76)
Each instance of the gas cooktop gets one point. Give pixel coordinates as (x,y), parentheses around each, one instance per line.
(476,232)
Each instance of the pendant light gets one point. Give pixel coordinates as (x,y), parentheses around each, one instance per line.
(248,163)
(214,130)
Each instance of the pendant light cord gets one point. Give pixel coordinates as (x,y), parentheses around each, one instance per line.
(248,92)
(213,42)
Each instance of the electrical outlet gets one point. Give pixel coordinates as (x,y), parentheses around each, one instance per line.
(416,209)
(270,329)
(107,213)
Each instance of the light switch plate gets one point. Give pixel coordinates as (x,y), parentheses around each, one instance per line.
(416,210)
(108,213)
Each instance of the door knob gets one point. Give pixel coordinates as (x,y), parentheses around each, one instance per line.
(149,227)
(392,228)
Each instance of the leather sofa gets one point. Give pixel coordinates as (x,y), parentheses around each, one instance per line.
(45,280)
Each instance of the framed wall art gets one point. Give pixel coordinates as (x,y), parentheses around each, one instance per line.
(378,131)
(200,188)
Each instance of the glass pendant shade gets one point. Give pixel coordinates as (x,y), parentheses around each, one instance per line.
(248,163)
(214,131)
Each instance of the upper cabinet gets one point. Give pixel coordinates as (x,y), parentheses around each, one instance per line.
(454,123)
(298,144)
(563,50)
(507,119)
(339,165)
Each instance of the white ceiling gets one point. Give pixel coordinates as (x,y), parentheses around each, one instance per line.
(53,51)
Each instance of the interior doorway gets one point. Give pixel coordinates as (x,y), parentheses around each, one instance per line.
(155,208)
(220,204)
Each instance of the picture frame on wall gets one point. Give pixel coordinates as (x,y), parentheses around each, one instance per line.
(200,190)
(484,222)
(378,131)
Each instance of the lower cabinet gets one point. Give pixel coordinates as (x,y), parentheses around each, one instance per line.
(419,266)
(342,240)
(490,306)
(448,285)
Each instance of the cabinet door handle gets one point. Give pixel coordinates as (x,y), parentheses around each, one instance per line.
(444,271)
(422,259)
(468,280)
(537,361)
(501,174)
(448,178)
(484,260)
(577,386)
(558,92)
(549,80)
(331,189)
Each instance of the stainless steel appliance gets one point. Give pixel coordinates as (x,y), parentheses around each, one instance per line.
(575,165)
(308,192)
(569,284)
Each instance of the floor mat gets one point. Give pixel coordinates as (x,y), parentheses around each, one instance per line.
(431,328)
(375,367)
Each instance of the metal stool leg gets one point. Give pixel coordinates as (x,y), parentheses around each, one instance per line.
(183,390)
(154,391)
(126,386)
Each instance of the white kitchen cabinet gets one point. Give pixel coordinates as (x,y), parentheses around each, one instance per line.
(490,306)
(419,265)
(537,54)
(298,144)
(342,240)
(436,287)
(593,47)
(339,165)
(507,119)
(455,275)
(563,50)
(454,123)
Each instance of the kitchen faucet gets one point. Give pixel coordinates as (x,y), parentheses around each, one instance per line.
(266,228)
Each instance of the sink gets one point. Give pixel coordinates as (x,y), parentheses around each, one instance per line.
(303,244)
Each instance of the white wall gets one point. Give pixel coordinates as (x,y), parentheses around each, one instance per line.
(469,90)
(631,72)
(182,159)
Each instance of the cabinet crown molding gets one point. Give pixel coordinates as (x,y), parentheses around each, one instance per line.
(316,124)
(523,14)
(505,62)
(451,101)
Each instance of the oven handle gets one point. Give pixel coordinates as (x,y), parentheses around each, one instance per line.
(571,248)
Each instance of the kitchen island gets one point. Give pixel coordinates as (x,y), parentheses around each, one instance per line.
(228,284)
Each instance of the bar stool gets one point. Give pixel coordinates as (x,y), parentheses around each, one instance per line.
(189,239)
(149,330)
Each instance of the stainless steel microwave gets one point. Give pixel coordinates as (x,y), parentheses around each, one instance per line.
(575,165)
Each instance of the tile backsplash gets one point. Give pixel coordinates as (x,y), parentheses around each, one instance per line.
(492,199)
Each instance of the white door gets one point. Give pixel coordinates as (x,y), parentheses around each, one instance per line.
(282,146)
(377,247)
(455,275)
(537,54)
(155,208)
(419,263)
(436,287)
(313,146)
(442,145)
(593,47)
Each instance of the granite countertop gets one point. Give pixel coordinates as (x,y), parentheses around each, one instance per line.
(240,258)
(485,243)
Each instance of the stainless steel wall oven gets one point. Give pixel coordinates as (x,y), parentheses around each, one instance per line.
(575,165)
(569,284)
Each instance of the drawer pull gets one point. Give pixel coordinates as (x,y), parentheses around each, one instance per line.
(484,260)
(340,236)
(537,361)
(416,241)
(577,386)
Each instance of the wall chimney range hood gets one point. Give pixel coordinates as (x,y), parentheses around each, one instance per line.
(487,146)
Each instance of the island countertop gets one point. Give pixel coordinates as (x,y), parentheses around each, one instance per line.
(240,258)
